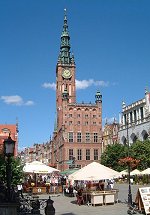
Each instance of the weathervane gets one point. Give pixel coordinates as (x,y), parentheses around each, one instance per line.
(65,10)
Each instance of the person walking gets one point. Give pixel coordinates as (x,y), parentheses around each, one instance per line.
(20,188)
(49,209)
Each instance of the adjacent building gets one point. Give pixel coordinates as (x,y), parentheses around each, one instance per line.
(5,130)
(40,152)
(110,134)
(135,121)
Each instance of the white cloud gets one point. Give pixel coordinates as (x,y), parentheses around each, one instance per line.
(80,85)
(101,83)
(15,100)
(49,86)
(29,103)
(87,83)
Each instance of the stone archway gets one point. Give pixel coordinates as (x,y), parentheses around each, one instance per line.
(124,140)
(133,137)
(144,135)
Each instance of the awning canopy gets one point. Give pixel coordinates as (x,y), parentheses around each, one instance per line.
(94,171)
(69,171)
(123,172)
(38,167)
(146,172)
(135,172)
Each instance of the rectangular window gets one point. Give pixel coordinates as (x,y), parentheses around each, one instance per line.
(70,122)
(125,119)
(78,115)
(78,123)
(131,120)
(94,123)
(86,123)
(135,119)
(86,115)
(70,154)
(70,115)
(94,116)
(79,151)
(95,137)
(79,137)
(70,137)
(87,154)
(142,114)
(87,136)
(95,154)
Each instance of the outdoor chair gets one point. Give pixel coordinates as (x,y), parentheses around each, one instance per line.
(80,200)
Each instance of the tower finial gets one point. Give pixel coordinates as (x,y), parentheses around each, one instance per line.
(65,57)
(98,97)
(146,90)
(65,11)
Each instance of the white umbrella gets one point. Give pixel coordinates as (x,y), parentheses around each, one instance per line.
(94,171)
(146,172)
(38,167)
(123,172)
(135,172)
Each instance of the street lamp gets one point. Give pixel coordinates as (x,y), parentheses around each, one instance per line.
(9,146)
(129,169)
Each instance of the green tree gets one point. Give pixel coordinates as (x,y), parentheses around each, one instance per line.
(112,155)
(138,150)
(17,170)
(141,151)
(2,168)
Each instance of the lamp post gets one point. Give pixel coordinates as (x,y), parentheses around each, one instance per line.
(9,146)
(129,169)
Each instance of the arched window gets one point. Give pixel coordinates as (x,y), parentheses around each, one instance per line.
(144,135)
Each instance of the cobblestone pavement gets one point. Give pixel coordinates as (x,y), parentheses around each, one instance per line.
(67,205)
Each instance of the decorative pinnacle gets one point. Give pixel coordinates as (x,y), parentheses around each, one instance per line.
(65,13)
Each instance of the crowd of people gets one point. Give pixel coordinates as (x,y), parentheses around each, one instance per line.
(81,187)
(57,183)
(52,183)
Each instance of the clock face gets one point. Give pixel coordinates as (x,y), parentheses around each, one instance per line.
(66,73)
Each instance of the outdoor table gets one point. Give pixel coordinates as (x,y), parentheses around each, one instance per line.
(109,198)
(38,190)
(101,197)
(97,198)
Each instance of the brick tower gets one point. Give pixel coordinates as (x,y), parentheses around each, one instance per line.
(77,136)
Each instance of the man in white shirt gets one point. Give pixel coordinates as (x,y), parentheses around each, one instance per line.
(19,188)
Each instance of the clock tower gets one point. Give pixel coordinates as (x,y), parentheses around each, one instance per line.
(77,138)
(65,73)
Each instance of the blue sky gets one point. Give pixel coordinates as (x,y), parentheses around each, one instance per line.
(111,43)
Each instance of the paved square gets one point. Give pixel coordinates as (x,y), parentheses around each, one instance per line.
(67,205)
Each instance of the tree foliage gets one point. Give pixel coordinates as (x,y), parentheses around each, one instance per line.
(112,155)
(138,150)
(141,151)
(17,170)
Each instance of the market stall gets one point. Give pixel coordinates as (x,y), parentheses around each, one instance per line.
(92,177)
(39,177)
(94,171)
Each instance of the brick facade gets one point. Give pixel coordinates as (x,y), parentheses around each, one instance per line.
(5,130)
(78,132)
